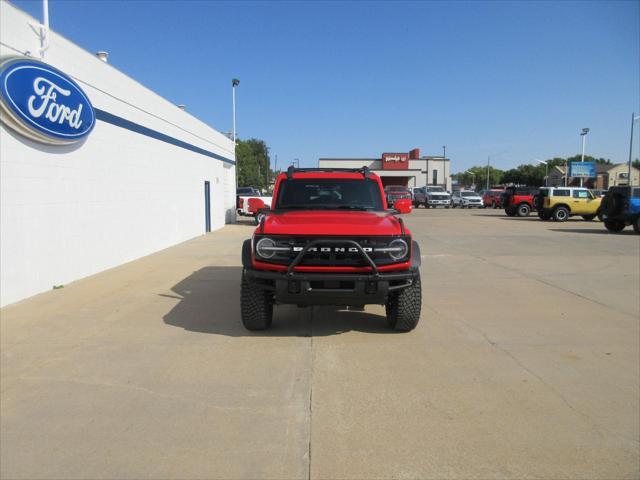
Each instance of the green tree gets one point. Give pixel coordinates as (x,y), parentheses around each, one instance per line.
(253,163)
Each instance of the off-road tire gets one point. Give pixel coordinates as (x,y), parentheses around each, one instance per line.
(544,216)
(524,210)
(614,225)
(403,307)
(561,214)
(611,205)
(256,306)
(510,212)
(636,225)
(588,218)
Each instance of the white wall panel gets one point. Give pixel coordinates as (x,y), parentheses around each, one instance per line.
(70,211)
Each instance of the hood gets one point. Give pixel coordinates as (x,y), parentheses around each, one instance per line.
(338,223)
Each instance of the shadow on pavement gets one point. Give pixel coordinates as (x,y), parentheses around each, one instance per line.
(603,230)
(210,303)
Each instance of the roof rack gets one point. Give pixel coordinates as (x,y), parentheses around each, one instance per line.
(366,173)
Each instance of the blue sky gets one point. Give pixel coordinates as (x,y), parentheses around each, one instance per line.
(328,79)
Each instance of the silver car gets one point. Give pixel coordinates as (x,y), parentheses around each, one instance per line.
(466,199)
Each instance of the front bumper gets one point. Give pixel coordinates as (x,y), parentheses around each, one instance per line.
(331,288)
(436,203)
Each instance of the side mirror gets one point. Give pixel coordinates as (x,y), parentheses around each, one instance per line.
(403,205)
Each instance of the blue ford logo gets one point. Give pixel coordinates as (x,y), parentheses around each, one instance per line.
(43,103)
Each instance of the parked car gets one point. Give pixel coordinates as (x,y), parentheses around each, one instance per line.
(621,207)
(492,198)
(519,200)
(466,199)
(437,197)
(560,203)
(330,240)
(251,203)
(396,192)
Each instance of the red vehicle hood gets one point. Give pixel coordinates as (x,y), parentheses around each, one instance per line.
(332,223)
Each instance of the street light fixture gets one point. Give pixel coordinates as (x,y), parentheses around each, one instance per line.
(584,133)
(546,171)
(473,177)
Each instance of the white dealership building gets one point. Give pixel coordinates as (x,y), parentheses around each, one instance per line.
(95,169)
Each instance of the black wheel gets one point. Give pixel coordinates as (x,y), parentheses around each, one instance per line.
(509,212)
(600,215)
(611,205)
(636,225)
(544,216)
(523,210)
(256,306)
(588,218)
(614,225)
(403,307)
(561,214)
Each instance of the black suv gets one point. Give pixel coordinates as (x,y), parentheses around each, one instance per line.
(621,207)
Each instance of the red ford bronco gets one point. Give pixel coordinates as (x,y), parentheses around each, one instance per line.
(329,239)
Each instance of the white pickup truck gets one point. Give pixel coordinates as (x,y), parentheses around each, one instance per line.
(249,203)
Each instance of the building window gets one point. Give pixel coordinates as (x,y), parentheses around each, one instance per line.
(435,177)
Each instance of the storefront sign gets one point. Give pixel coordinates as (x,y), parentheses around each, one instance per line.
(395,161)
(42,103)
(582,169)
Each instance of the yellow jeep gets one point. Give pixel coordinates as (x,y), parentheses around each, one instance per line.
(560,203)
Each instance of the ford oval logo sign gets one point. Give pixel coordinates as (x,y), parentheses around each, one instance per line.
(42,103)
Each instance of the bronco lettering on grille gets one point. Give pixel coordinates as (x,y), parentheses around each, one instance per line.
(334,249)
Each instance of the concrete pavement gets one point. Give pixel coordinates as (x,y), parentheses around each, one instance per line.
(525,365)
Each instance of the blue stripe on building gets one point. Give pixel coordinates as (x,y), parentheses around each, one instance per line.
(147,132)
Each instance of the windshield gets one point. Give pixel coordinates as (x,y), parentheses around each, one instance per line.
(329,194)
(469,194)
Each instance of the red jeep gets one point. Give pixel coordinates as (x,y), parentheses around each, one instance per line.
(329,239)
(519,201)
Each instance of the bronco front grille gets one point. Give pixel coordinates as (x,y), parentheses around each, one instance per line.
(333,254)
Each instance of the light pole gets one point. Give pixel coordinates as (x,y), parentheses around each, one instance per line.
(583,134)
(473,177)
(633,119)
(234,83)
(546,171)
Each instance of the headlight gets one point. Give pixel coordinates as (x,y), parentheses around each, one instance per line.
(266,248)
(397,249)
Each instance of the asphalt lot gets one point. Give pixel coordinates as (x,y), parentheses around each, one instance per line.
(525,365)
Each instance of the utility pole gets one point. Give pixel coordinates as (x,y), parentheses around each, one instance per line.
(488,169)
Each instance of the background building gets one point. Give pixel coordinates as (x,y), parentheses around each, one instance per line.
(607,176)
(408,169)
(149,175)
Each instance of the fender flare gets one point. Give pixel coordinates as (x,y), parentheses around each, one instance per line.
(416,258)
(246,253)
